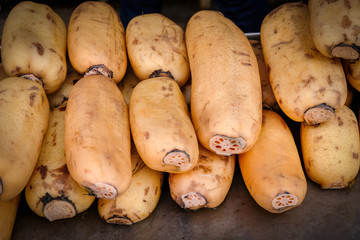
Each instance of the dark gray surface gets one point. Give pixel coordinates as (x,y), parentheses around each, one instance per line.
(324,214)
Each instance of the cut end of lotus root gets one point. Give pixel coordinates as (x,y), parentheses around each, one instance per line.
(99,70)
(318,114)
(34,78)
(103,190)
(284,200)
(59,209)
(178,158)
(227,146)
(193,200)
(161,73)
(120,220)
(349,52)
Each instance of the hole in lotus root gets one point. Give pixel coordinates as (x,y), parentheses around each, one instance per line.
(161,73)
(227,146)
(104,190)
(32,77)
(99,69)
(193,200)
(318,114)
(178,158)
(120,220)
(59,209)
(284,200)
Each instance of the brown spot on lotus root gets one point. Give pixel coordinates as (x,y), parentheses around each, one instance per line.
(355,155)
(282,43)
(330,81)
(146,135)
(43,171)
(328,2)
(317,139)
(308,81)
(346,22)
(135,41)
(32,98)
(246,64)
(50,17)
(347,4)
(241,53)
(205,169)
(146,190)
(39,48)
(340,121)
(33,88)
(356,30)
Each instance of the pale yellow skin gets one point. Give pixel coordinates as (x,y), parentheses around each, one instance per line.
(155,42)
(51,176)
(334,22)
(352,71)
(331,150)
(96,36)
(24,111)
(8,210)
(62,94)
(139,201)
(226,86)
(273,165)
(34,42)
(268,98)
(211,177)
(97,136)
(160,123)
(128,84)
(300,76)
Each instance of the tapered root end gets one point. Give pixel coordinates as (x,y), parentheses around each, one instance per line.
(104,190)
(100,69)
(284,200)
(227,146)
(193,200)
(318,114)
(178,158)
(161,73)
(350,52)
(59,209)
(32,77)
(120,220)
